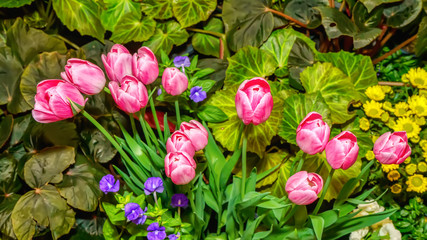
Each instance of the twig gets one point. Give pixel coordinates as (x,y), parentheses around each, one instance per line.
(399,84)
(332,3)
(216,34)
(342,6)
(377,60)
(286,17)
(387,37)
(221,49)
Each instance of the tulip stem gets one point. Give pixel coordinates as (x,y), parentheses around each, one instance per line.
(239,137)
(289,215)
(178,116)
(132,123)
(325,189)
(144,128)
(156,121)
(245,143)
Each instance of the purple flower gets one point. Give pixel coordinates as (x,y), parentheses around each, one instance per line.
(181,61)
(156,232)
(159,91)
(179,200)
(108,184)
(173,236)
(197,94)
(153,184)
(134,213)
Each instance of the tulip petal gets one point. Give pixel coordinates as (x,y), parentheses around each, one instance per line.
(243,107)
(183,174)
(303,197)
(263,109)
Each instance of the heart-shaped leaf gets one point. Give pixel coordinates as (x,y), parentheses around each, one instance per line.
(336,23)
(208,44)
(304,11)
(402,14)
(116,10)
(133,28)
(372,4)
(190,12)
(158,9)
(166,36)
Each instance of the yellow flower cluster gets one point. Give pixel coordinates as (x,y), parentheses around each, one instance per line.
(417,77)
(417,183)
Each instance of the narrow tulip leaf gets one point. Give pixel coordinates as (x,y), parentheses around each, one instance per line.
(133,28)
(6,126)
(167,35)
(336,23)
(14,3)
(116,10)
(400,15)
(318,224)
(421,42)
(372,4)
(158,9)
(190,12)
(208,44)
(304,11)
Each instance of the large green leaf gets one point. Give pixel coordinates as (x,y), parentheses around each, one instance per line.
(303,11)
(158,9)
(166,36)
(295,109)
(9,181)
(62,133)
(6,125)
(208,44)
(269,161)
(371,4)
(336,88)
(358,67)
(402,14)
(249,62)
(14,3)
(46,165)
(247,23)
(116,10)
(6,207)
(278,188)
(133,28)
(98,146)
(365,37)
(365,19)
(80,15)
(190,12)
(259,136)
(43,208)
(20,125)
(421,43)
(336,23)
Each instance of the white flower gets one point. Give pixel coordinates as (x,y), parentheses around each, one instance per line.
(391,231)
(359,234)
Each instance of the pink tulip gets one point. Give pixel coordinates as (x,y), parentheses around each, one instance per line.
(180,142)
(196,133)
(342,150)
(312,134)
(392,148)
(52,101)
(254,101)
(131,96)
(180,167)
(174,81)
(86,76)
(303,187)
(117,63)
(145,66)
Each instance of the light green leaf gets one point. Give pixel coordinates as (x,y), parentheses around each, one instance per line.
(318,225)
(47,164)
(402,14)
(208,44)
(6,125)
(132,28)
(6,207)
(336,23)
(117,10)
(278,188)
(166,36)
(259,136)
(421,43)
(14,3)
(336,88)
(303,11)
(371,4)
(110,231)
(269,161)
(190,12)
(249,62)
(158,9)
(80,15)
(295,109)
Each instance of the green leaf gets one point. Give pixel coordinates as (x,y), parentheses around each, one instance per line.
(421,41)
(116,10)
(304,11)
(98,147)
(402,14)
(318,225)
(358,67)
(259,136)
(158,9)
(295,109)
(365,19)
(46,165)
(371,4)
(14,3)
(269,161)
(167,35)
(20,125)
(80,15)
(211,114)
(365,37)
(208,44)
(336,23)
(247,23)
(249,62)
(45,208)
(110,231)
(6,207)
(40,135)
(190,12)
(278,188)
(115,215)
(336,88)
(9,180)
(6,126)
(133,28)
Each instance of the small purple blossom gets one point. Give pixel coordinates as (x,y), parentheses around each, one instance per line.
(181,61)
(153,184)
(156,232)
(134,213)
(179,200)
(197,94)
(159,91)
(173,236)
(108,184)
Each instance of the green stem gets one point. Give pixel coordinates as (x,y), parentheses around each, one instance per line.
(289,215)
(132,123)
(68,41)
(178,115)
(144,128)
(156,121)
(215,34)
(107,90)
(245,143)
(239,137)
(325,189)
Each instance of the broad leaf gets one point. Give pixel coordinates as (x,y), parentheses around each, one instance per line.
(62,133)
(98,146)
(208,44)
(9,180)
(371,4)
(80,15)
(133,28)
(278,188)
(158,9)
(421,43)
(402,14)
(365,37)
(20,125)
(46,165)
(336,88)
(190,12)
(44,208)
(14,3)
(6,125)
(10,70)
(364,19)
(166,36)
(303,11)
(117,10)
(249,62)
(269,161)
(6,207)
(336,23)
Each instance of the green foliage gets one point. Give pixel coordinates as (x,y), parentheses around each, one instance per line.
(422,38)
(158,9)
(6,126)
(166,36)
(190,12)
(402,14)
(208,44)
(118,10)
(14,3)
(305,12)
(132,28)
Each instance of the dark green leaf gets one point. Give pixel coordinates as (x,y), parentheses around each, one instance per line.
(371,4)
(133,28)
(61,133)
(365,37)
(166,36)
(219,65)
(336,23)
(190,12)
(14,3)
(158,9)
(9,181)
(210,113)
(208,44)
(94,49)
(90,228)
(6,207)
(318,225)
(421,43)
(116,10)
(99,148)
(402,14)
(303,11)
(364,19)
(20,125)
(6,126)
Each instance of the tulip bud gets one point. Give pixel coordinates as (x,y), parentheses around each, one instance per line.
(180,167)
(86,76)
(342,150)
(117,63)
(254,102)
(196,133)
(52,101)
(131,96)
(312,134)
(145,66)
(174,81)
(180,142)
(303,187)
(392,148)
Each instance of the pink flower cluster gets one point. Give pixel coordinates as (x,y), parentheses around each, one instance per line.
(181,147)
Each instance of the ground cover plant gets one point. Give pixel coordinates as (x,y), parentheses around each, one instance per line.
(234,119)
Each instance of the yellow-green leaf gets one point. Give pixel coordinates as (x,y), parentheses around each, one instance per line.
(190,12)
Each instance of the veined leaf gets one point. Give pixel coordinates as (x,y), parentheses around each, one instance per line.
(158,9)
(190,12)
(14,3)
(371,4)
(132,28)
(116,10)
(166,36)
(402,14)
(269,161)
(303,10)
(336,23)
(6,208)
(421,43)
(208,44)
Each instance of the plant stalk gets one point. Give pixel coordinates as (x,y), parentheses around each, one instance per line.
(287,17)
(178,115)
(325,189)
(156,121)
(245,143)
(398,47)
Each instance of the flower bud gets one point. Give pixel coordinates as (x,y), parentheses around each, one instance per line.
(144,66)
(342,150)
(392,148)
(174,81)
(312,134)
(131,96)
(303,187)
(180,167)
(86,76)
(196,133)
(178,141)
(117,63)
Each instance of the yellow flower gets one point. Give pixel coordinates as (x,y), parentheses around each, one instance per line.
(375,93)
(386,89)
(388,167)
(374,138)
(421,121)
(407,125)
(411,169)
(401,109)
(388,106)
(415,139)
(423,144)
(423,92)
(385,117)
(417,77)
(396,188)
(393,175)
(364,124)
(391,123)
(370,155)
(407,160)
(356,104)
(425,155)
(417,183)
(418,105)
(373,109)
(422,167)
